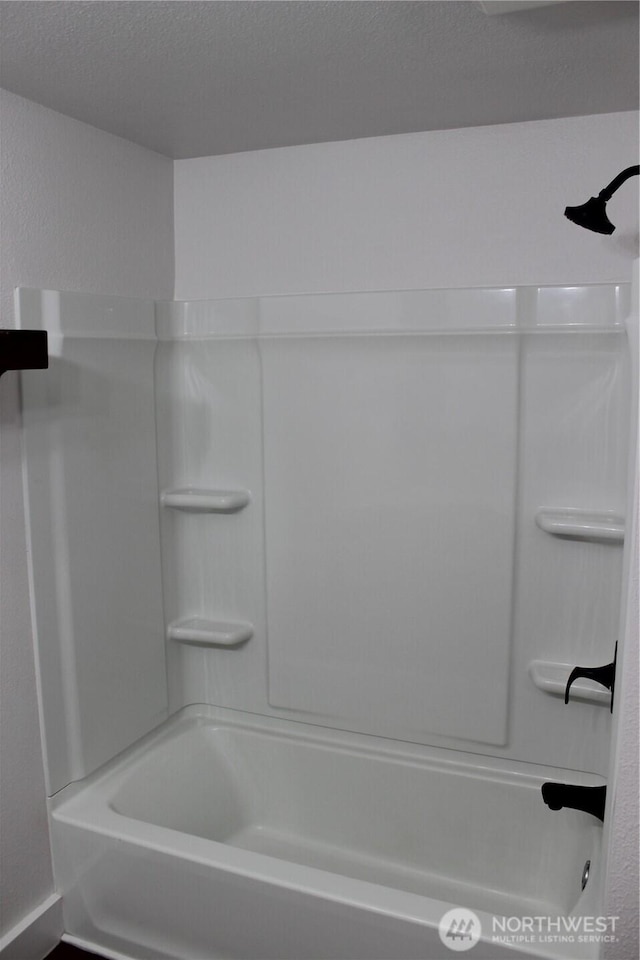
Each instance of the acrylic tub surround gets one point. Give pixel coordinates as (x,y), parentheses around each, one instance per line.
(374,533)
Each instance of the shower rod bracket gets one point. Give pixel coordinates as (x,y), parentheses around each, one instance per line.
(23,350)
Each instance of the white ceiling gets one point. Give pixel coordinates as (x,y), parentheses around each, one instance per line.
(190,78)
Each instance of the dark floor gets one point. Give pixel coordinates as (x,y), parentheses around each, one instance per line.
(64,951)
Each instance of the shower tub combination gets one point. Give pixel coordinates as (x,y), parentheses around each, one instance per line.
(280,732)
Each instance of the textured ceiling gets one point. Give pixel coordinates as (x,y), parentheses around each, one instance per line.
(190,78)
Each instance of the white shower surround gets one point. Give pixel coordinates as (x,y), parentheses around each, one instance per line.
(209,384)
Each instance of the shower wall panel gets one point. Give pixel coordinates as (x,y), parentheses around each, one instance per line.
(390,475)
(398,514)
(210,438)
(92,506)
(574,440)
(398,450)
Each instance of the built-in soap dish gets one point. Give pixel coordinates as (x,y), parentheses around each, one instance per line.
(552,678)
(210,633)
(194,500)
(571,523)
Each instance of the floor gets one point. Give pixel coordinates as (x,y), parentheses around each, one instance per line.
(64,951)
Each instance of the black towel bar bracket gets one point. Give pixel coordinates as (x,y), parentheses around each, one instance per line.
(23,350)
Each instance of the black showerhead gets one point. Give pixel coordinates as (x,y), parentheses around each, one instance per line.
(593,214)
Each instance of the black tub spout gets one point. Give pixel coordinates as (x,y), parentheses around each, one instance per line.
(588,799)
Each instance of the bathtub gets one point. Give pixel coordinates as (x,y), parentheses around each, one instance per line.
(228,835)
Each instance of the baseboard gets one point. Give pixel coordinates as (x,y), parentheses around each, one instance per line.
(37,934)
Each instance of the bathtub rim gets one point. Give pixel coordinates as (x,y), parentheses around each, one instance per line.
(441,759)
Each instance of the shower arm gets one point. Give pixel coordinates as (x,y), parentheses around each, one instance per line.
(617,182)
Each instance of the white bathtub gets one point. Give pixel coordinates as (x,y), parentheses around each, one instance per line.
(230,835)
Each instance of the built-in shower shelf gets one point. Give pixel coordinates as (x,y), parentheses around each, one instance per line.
(572,523)
(210,633)
(552,678)
(193,500)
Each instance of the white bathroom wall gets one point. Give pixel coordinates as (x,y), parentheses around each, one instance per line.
(457,208)
(81,210)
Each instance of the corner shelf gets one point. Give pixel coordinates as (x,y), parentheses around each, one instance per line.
(572,523)
(210,633)
(193,500)
(552,678)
